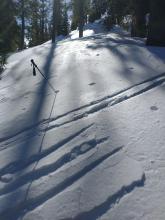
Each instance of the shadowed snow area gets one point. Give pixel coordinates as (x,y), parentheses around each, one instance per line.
(94,150)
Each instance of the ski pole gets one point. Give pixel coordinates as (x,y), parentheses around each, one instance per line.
(34,74)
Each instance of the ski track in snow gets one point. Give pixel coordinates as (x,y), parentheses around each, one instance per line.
(109,101)
(93,107)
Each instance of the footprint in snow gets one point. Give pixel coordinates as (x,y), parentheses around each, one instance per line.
(6,178)
(92,84)
(154,108)
(4,99)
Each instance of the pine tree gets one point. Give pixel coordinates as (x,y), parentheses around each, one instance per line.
(65,22)
(139,10)
(57,19)
(23,24)
(118,10)
(44,11)
(80,9)
(22,15)
(97,9)
(9,31)
(157,23)
(34,19)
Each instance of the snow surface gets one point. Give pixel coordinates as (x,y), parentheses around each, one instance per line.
(94,150)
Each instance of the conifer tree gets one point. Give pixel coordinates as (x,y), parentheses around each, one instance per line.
(34,20)
(97,9)
(57,19)
(139,10)
(22,15)
(65,22)
(9,31)
(156,34)
(80,9)
(23,24)
(43,16)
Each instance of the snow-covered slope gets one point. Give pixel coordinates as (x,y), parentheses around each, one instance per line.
(95,149)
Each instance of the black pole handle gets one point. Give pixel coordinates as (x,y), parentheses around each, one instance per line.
(34,74)
(34,71)
(33,63)
(34,67)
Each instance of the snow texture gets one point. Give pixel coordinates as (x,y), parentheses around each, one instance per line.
(94,150)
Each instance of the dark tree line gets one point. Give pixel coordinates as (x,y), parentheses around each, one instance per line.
(36,21)
(8,26)
(156,35)
(32,21)
(138,9)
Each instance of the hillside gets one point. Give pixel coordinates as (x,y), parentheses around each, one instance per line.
(94,149)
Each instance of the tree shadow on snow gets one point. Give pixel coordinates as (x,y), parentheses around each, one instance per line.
(32,142)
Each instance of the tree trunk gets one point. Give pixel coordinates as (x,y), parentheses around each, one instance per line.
(42,22)
(156,32)
(56,19)
(81,30)
(54,22)
(138,22)
(81,18)
(22,25)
